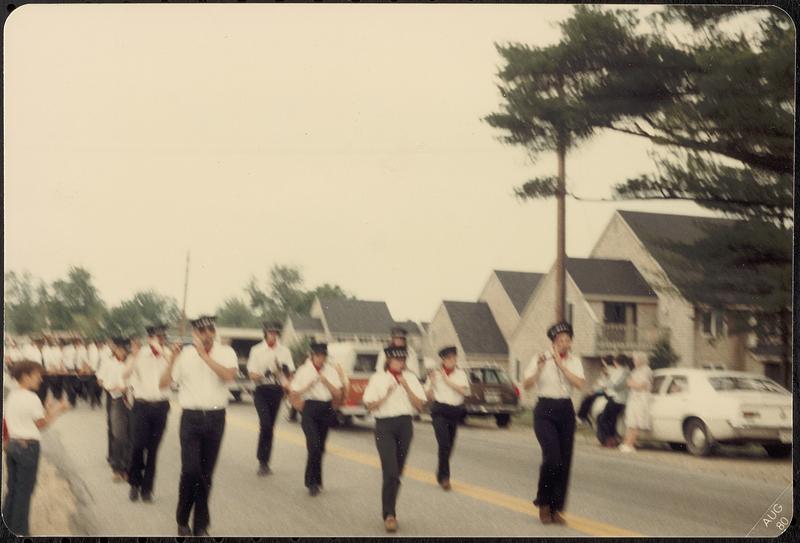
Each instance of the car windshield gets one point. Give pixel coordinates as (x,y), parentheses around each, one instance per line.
(756,384)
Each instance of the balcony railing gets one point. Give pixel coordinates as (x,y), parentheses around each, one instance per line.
(612,338)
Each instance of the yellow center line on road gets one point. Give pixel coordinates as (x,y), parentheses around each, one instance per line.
(506,501)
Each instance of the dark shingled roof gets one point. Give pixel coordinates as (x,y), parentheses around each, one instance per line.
(612,277)
(657,231)
(357,316)
(519,286)
(410,327)
(476,328)
(306,324)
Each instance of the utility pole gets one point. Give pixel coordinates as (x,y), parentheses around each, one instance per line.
(182,326)
(561,274)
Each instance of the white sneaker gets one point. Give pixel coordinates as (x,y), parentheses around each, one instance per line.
(624,448)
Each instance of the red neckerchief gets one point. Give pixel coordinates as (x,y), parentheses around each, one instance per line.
(395,374)
(155,351)
(319,369)
(563,355)
(271,345)
(447,371)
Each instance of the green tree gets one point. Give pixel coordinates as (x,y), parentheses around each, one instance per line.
(123,320)
(286,293)
(300,350)
(662,355)
(236,313)
(544,108)
(22,306)
(76,304)
(156,308)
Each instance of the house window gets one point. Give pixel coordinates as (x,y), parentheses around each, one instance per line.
(614,313)
(713,323)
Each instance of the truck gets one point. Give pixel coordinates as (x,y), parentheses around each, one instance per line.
(241,341)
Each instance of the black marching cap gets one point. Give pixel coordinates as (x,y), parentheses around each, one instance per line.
(398,331)
(558,328)
(319,347)
(395,352)
(447,351)
(155,329)
(203,321)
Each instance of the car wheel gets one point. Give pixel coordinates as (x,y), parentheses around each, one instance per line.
(503,420)
(677,446)
(779,450)
(698,440)
(344,420)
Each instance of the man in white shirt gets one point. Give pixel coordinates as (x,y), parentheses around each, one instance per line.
(82,368)
(150,409)
(54,366)
(68,353)
(447,387)
(115,383)
(616,391)
(393,395)
(93,362)
(268,365)
(315,384)
(202,371)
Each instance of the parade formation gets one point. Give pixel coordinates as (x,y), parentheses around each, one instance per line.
(138,379)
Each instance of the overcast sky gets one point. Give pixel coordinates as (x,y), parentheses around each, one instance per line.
(344,139)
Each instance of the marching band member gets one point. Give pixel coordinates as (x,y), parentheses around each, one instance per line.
(315,384)
(53,365)
(393,396)
(70,378)
(447,387)
(399,338)
(114,381)
(554,375)
(269,364)
(150,409)
(202,371)
(93,361)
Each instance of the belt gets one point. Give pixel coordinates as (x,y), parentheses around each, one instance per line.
(139,400)
(205,411)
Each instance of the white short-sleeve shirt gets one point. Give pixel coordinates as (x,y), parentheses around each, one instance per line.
(21,410)
(68,356)
(113,377)
(263,357)
(150,364)
(200,387)
(398,402)
(552,382)
(308,374)
(31,352)
(445,394)
(51,356)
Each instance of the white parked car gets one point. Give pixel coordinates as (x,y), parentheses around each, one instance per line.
(699,408)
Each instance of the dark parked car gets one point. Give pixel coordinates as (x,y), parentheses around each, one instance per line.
(492,394)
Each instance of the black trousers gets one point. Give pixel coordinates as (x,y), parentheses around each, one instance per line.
(393,439)
(607,421)
(445,424)
(42,392)
(586,404)
(201,437)
(317,416)
(554,426)
(56,384)
(267,399)
(71,387)
(148,420)
(120,437)
(22,464)
(108,425)
(92,390)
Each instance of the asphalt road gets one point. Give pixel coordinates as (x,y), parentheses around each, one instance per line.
(494,473)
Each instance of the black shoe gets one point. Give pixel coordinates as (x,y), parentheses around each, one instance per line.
(264,470)
(147,497)
(313,490)
(184,531)
(201,533)
(134,493)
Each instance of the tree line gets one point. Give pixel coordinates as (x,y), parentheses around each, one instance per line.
(74,304)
